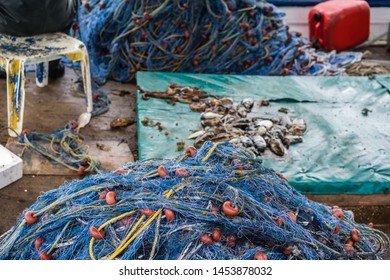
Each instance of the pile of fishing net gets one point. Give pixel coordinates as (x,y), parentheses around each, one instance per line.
(215,203)
(198,36)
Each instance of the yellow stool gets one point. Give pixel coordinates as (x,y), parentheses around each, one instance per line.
(15,52)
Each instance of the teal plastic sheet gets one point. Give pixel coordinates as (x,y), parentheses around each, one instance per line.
(343,150)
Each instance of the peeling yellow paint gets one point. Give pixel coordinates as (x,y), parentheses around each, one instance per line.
(14,88)
(75,56)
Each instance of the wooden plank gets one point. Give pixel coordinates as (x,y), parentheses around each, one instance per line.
(111,155)
(352,199)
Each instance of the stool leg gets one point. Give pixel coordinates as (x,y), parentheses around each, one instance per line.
(41,74)
(85,71)
(15,96)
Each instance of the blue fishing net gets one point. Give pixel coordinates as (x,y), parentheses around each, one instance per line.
(216,203)
(199,36)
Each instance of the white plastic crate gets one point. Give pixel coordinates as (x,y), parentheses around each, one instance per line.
(11,167)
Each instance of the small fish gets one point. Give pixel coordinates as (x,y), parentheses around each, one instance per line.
(242,112)
(259,142)
(277,147)
(285,121)
(196,134)
(261,131)
(278,131)
(221,137)
(210,115)
(298,127)
(247,103)
(266,123)
(210,122)
(228,118)
(203,138)
(198,106)
(289,140)
(246,141)
(226,102)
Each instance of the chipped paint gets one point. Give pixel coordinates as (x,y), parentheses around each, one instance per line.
(15,90)
(41,74)
(15,52)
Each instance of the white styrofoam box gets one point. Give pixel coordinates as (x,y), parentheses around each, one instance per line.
(11,167)
(298,20)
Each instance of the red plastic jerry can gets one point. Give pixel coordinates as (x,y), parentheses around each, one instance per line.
(339,24)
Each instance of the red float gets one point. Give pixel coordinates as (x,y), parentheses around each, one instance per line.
(29,217)
(229,210)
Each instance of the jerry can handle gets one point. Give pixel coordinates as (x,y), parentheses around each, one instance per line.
(317,36)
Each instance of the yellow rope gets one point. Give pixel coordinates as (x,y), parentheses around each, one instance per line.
(147,223)
(183,157)
(58,238)
(155,237)
(113,220)
(251,153)
(91,249)
(208,155)
(134,228)
(130,237)
(63,200)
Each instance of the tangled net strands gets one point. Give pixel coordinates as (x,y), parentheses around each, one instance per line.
(66,146)
(216,203)
(199,36)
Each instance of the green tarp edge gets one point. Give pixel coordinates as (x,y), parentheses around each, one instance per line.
(343,150)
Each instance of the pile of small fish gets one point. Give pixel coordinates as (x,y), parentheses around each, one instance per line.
(224,120)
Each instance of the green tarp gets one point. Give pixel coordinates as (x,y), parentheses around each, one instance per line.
(343,151)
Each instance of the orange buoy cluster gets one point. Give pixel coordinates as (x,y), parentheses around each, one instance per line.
(216,236)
